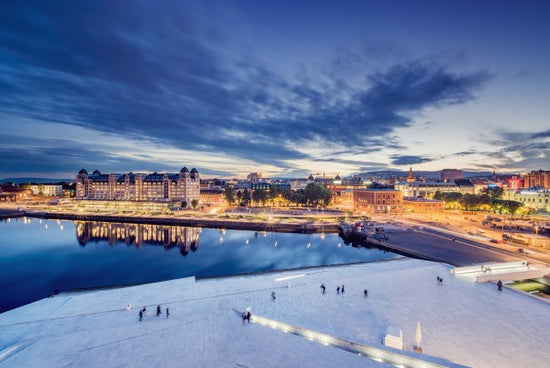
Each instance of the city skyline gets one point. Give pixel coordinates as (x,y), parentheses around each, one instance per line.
(286,88)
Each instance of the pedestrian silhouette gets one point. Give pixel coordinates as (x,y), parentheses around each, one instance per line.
(273,296)
(323,288)
(141,314)
(499,285)
(158,310)
(338,290)
(167,313)
(365,293)
(342,288)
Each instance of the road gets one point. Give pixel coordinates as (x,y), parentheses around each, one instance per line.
(438,246)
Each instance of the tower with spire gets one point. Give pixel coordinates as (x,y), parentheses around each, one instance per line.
(410,178)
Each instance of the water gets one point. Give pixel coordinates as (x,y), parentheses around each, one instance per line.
(38,256)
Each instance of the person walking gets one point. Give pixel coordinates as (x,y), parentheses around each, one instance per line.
(167,312)
(338,290)
(140,315)
(366,293)
(342,288)
(323,288)
(499,285)
(273,296)
(158,310)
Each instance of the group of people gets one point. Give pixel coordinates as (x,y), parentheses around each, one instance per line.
(143,312)
(339,289)
(439,280)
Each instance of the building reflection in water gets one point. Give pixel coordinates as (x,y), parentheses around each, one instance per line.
(186,238)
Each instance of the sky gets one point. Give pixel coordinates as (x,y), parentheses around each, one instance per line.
(285,88)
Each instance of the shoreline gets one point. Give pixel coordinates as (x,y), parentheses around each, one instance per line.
(303,227)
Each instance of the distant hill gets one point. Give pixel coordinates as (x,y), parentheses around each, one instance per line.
(425,174)
(34,180)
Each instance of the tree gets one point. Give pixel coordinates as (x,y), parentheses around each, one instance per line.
(494,192)
(317,195)
(259,195)
(194,203)
(229,195)
(183,204)
(246,197)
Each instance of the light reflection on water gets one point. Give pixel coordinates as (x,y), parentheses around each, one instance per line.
(38,256)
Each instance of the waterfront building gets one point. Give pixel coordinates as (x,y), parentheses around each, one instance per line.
(166,187)
(212,196)
(425,189)
(12,194)
(450,174)
(342,194)
(422,205)
(537,179)
(378,200)
(536,199)
(49,190)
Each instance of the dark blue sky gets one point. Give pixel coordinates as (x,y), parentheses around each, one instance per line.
(285,88)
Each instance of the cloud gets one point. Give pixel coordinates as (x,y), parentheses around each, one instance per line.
(167,73)
(409,160)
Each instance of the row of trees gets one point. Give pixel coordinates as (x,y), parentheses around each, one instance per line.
(313,195)
(194,204)
(489,200)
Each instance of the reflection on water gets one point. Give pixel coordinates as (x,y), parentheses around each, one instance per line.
(44,255)
(185,238)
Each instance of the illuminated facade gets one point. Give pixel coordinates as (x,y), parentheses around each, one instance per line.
(212,196)
(536,199)
(421,205)
(537,179)
(49,190)
(166,187)
(342,194)
(378,201)
(425,190)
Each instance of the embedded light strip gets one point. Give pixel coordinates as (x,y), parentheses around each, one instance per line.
(290,277)
(379,355)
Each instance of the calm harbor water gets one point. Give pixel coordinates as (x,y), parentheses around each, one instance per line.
(39,256)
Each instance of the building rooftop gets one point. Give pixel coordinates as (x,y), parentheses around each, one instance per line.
(463,323)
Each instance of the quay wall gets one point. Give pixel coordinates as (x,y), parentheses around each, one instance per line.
(216,223)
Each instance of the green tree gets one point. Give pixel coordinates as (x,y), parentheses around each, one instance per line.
(494,192)
(469,201)
(317,195)
(246,197)
(194,203)
(259,195)
(229,195)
